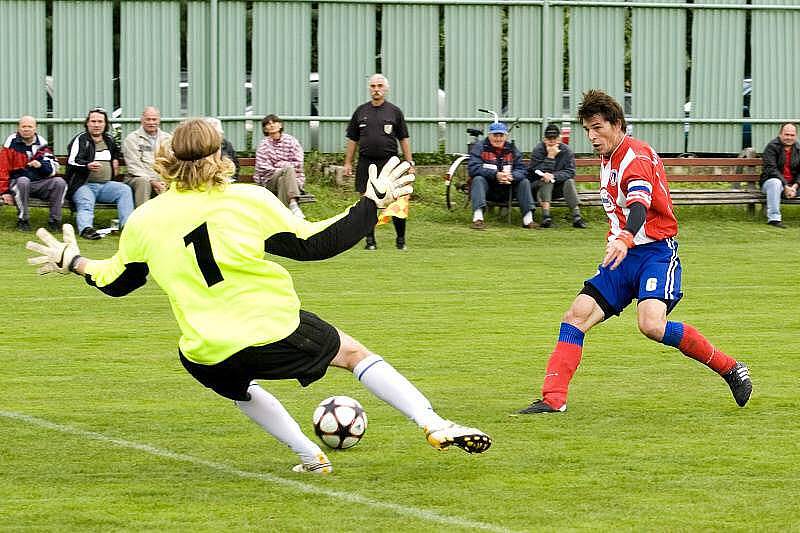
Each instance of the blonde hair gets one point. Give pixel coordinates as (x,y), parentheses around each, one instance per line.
(192,159)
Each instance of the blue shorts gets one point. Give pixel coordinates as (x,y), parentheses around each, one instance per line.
(652,270)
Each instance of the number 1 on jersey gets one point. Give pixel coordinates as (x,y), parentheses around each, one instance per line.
(204,254)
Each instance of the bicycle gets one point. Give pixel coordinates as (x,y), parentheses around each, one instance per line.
(457,177)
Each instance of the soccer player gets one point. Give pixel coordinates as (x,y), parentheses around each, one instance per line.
(203,241)
(641,260)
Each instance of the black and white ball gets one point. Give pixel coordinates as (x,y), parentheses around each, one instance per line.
(340,422)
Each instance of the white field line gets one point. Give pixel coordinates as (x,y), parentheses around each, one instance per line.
(308,488)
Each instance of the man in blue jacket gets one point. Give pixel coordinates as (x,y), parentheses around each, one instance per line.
(496,168)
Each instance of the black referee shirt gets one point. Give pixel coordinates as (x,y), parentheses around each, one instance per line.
(377,130)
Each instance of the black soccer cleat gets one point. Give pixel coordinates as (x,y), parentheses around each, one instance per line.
(738,379)
(538,406)
(91,234)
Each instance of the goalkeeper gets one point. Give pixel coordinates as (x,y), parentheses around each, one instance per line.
(203,241)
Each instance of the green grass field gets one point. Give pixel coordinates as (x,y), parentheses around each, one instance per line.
(102,429)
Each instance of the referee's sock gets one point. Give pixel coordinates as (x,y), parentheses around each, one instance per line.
(382,380)
(267,411)
(693,344)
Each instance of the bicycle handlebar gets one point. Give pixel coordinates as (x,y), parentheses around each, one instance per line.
(497,118)
(490,112)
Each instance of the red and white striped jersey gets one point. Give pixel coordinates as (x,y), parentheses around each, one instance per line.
(635,173)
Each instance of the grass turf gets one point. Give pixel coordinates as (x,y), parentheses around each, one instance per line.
(103,430)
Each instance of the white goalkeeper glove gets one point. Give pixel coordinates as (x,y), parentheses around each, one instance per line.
(391,184)
(56,256)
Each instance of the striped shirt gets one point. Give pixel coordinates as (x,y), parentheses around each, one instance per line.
(274,154)
(635,174)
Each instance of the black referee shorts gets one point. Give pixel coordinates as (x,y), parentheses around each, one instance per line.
(304,355)
(362,171)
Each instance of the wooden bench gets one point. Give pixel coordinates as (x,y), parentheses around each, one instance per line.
(735,179)
(246,169)
(249,164)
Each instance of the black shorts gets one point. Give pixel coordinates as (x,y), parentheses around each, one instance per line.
(304,355)
(362,171)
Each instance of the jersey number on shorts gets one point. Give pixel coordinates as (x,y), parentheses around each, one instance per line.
(204,254)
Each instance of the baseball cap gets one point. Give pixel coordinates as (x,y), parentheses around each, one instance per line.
(552,131)
(498,127)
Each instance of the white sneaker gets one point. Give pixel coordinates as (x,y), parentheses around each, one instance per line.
(295,209)
(470,440)
(321,466)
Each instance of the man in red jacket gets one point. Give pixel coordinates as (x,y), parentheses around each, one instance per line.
(28,169)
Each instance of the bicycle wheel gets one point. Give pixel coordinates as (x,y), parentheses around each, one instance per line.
(456,179)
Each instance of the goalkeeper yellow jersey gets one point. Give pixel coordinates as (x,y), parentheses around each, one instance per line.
(206,250)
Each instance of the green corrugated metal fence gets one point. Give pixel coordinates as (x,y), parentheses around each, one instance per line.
(444,59)
(775,40)
(658,74)
(24,91)
(149,58)
(282,63)
(83,63)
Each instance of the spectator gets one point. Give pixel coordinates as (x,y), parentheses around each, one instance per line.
(238,312)
(279,164)
(552,172)
(226,148)
(376,127)
(781,171)
(496,168)
(139,149)
(92,174)
(31,172)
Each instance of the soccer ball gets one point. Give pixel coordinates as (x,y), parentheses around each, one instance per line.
(340,422)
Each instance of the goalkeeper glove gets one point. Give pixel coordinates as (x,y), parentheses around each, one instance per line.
(391,184)
(56,256)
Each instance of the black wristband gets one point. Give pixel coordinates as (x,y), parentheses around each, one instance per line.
(73,263)
(636,217)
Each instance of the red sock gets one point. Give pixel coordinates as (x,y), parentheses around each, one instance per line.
(560,367)
(694,345)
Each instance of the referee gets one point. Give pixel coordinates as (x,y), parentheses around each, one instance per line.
(376,127)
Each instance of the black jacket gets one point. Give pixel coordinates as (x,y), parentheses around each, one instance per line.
(562,167)
(229,152)
(81,151)
(773,159)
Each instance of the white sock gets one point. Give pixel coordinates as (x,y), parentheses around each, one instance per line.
(477,215)
(265,410)
(527,218)
(382,380)
(295,208)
